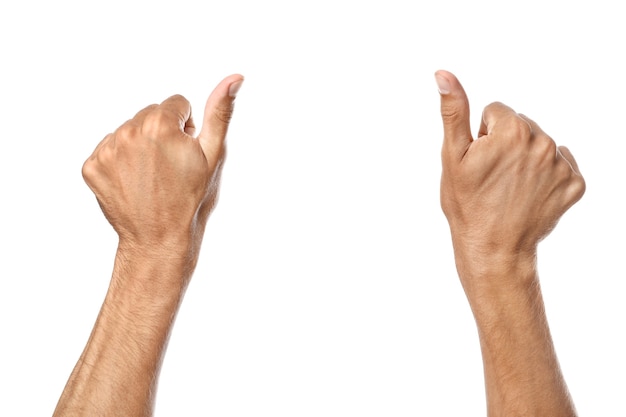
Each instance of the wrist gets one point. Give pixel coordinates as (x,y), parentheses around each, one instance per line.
(495,275)
(171,250)
(474,258)
(157,269)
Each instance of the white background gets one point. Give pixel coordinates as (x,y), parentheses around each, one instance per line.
(326,285)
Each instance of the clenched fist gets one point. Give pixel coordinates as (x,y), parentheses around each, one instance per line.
(156,181)
(502,193)
(505,190)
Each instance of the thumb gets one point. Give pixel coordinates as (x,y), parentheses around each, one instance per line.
(455,111)
(217,114)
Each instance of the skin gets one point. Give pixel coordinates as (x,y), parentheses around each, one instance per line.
(156,183)
(503,192)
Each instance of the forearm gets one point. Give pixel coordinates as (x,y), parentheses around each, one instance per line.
(118,371)
(522,374)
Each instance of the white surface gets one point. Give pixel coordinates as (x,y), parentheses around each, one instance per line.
(326,284)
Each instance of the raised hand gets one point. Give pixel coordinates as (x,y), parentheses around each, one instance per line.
(502,193)
(156,183)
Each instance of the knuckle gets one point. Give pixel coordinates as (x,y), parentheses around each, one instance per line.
(491,109)
(223,113)
(517,128)
(523,128)
(158,122)
(563,170)
(577,188)
(492,106)
(454,110)
(545,147)
(93,172)
(180,99)
(128,131)
(91,166)
(449,111)
(148,108)
(88,170)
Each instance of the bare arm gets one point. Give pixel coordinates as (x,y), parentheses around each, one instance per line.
(157,184)
(502,193)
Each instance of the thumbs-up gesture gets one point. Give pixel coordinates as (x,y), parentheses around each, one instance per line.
(156,181)
(504,190)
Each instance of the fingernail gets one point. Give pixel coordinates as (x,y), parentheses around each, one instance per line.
(443,84)
(234,88)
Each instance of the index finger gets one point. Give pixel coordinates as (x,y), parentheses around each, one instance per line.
(492,114)
(181,108)
(537,130)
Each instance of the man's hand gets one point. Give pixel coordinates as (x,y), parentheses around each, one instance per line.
(504,191)
(156,184)
(155,181)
